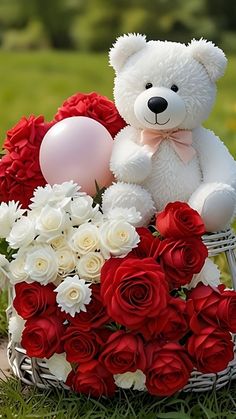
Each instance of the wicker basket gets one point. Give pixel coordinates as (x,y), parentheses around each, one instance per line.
(33,371)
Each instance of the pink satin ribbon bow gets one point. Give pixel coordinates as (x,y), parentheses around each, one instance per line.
(181,141)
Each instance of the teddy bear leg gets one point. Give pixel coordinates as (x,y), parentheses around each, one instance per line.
(216,203)
(128,195)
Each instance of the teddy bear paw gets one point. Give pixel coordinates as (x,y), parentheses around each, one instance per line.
(127,195)
(216,205)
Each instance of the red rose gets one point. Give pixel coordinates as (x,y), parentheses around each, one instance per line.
(148,245)
(179,220)
(80,346)
(211,350)
(123,352)
(133,290)
(20,172)
(94,106)
(212,306)
(168,369)
(226,312)
(91,378)
(34,299)
(176,325)
(42,336)
(96,314)
(181,259)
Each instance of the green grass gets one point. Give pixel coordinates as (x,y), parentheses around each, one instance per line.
(25,402)
(38,83)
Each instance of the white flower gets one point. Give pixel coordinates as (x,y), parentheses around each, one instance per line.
(57,195)
(41,264)
(4,266)
(84,239)
(209,275)
(57,242)
(66,260)
(117,238)
(9,213)
(73,294)
(22,233)
(17,271)
(129,379)
(131,215)
(51,221)
(82,210)
(59,366)
(89,266)
(16,326)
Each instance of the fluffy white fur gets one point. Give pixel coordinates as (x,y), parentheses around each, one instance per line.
(208,181)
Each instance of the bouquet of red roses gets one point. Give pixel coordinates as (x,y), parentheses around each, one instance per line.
(106,304)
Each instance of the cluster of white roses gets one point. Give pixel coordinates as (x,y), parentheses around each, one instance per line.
(63,238)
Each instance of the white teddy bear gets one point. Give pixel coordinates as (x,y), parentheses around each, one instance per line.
(164,91)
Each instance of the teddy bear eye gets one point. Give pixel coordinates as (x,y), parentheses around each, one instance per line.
(174,88)
(148,86)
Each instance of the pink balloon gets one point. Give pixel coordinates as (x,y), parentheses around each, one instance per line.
(78,149)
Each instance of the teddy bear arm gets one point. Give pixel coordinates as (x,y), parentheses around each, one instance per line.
(216,162)
(130,162)
(215,198)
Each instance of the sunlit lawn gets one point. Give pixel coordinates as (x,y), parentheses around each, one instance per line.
(38,83)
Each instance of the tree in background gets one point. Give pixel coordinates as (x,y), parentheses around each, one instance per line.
(93,25)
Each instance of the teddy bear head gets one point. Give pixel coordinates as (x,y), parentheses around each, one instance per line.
(165,85)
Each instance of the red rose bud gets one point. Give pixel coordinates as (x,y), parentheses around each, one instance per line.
(34,299)
(179,220)
(80,346)
(181,259)
(41,337)
(93,106)
(133,290)
(123,352)
(96,314)
(211,350)
(20,172)
(91,378)
(168,369)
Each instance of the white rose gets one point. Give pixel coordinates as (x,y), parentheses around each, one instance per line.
(59,366)
(73,294)
(209,275)
(16,326)
(84,239)
(9,213)
(17,271)
(41,264)
(82,210)
(117,238)
(57,195)
(51,221)
(4,267)
(89,266)
(22,233)
(58,242)
(66,260)
(136,380)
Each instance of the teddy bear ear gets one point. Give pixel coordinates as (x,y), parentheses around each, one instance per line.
(210,56)
(124,47)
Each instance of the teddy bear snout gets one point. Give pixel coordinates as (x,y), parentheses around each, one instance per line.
(157,104)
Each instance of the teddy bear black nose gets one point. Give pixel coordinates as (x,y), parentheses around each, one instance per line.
(157,104)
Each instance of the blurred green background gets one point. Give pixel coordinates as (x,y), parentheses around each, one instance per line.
(50,49)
